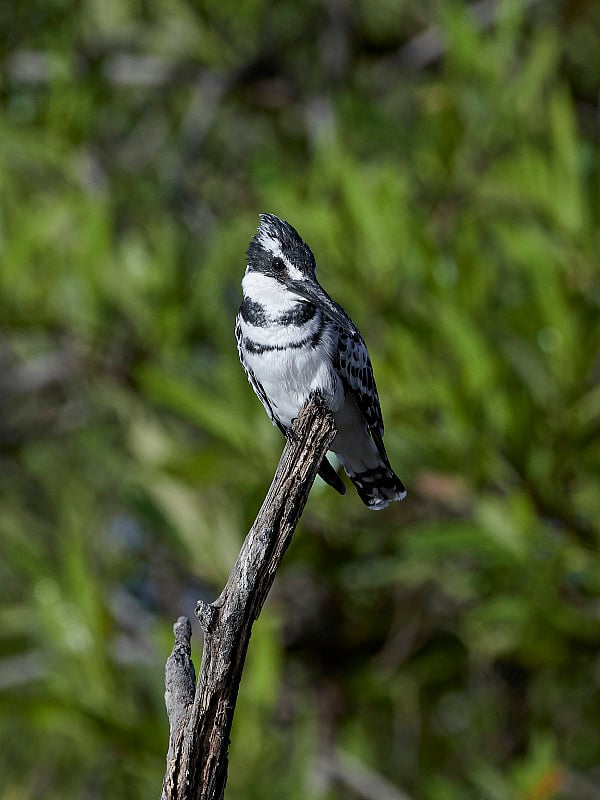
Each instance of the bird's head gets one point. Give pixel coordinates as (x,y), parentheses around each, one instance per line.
(278,252)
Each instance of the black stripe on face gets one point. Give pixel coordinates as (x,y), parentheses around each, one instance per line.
(298,315)
(253,313)
(259,348)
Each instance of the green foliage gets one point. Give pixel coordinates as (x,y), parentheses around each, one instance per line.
(449,644)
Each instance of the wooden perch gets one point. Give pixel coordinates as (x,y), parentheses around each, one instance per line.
(200,720)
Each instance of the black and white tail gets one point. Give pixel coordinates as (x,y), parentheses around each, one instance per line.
(366,463)
(378,487)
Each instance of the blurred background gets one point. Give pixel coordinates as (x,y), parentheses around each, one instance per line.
(442,159)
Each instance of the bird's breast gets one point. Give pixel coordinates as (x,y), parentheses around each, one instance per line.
(289,349)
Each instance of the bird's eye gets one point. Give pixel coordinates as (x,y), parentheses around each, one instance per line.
(278,265)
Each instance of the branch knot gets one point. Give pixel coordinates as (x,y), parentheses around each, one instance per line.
(206,614)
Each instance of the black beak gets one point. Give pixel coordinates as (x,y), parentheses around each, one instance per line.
(314,293)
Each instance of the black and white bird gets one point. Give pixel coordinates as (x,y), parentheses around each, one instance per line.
(293,339)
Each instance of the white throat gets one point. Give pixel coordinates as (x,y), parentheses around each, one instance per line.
(267,291)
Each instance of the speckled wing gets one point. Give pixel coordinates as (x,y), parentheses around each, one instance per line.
(353,364)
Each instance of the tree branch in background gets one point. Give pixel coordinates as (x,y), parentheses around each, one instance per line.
(200,721)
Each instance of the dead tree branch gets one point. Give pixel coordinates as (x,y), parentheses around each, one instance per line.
(200,721)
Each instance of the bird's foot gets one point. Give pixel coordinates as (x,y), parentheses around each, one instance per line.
(290,434)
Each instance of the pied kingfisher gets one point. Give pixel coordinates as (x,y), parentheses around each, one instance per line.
(293,339)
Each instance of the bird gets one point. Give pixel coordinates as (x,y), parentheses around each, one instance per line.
(294,340)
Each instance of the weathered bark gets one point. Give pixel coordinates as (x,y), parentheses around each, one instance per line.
(200,721)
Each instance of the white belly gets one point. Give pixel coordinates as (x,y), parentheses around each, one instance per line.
(291,366)
(289,376)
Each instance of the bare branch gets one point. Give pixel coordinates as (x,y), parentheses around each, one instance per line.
(199,741)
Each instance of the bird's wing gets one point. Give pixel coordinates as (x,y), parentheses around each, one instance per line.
(353,364)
